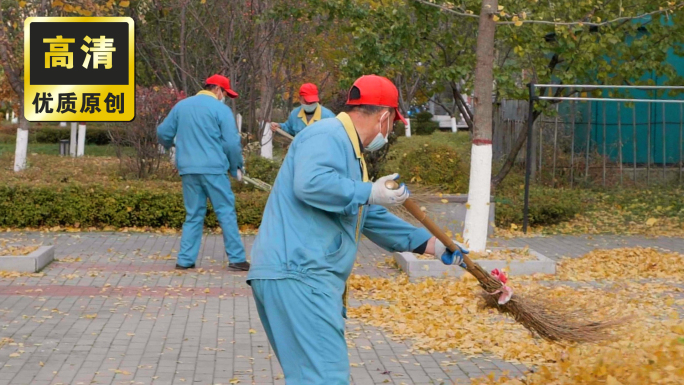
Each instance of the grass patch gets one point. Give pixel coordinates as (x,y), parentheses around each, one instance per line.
(53,149)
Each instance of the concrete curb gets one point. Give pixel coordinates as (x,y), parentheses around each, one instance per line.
(416,268)
(31,263)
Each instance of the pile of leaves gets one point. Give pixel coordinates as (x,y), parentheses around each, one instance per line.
(14,248)
(443,315)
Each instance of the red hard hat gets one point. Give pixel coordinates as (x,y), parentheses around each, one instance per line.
(376,91)
(223,82)
(309,92)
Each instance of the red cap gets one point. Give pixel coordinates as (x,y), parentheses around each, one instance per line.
(223,82)
(376,90)
(309,92)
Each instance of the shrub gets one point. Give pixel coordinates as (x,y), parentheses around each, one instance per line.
(424,128)
(152,105)
(261,168)
(97,206)
(423,117)
(399,129)
(547,206)
(94,135)
(422,124)
(436,161)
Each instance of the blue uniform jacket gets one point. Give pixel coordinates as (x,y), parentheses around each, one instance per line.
(207,140)
(297,120)
(318,209)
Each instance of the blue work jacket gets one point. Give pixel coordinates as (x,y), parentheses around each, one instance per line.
(297,120)
(318,209)
(206,137)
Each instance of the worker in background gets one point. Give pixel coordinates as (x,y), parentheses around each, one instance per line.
(207,147)
(321,203)
(305,115)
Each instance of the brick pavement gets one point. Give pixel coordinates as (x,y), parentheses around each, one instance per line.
(114,311)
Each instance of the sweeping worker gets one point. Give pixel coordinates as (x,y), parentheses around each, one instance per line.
(320,205)
(207,146)
(309,112)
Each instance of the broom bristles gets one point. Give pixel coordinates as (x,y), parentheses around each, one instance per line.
(552,323)
(547,321)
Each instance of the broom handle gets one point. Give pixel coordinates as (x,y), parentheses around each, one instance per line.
(285,134)
(413,208)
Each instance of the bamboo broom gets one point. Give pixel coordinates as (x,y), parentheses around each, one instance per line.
(543,319)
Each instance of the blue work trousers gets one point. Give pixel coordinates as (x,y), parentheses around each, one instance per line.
(306,330)
(196,189)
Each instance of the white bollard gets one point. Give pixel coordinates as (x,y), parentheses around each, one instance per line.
(62,124)
(15,119)
(267,141)
(238,119)
(453,124)
(7,115)
(72,140)
(81,139)
(408,127)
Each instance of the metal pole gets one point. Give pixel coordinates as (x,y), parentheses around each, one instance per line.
(572,145)
(555,148)
(634,138)
(648,147)
(586,166)
(672,101)
(540,126)
(604,144)
(664,147)
(595,86)
(528,162)
(619,123)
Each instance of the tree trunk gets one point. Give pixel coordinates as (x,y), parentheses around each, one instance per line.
(479,191)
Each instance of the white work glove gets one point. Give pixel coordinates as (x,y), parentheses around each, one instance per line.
(239,175)
(449,258)
(381,195)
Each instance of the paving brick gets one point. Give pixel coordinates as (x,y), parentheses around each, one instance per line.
(151,321)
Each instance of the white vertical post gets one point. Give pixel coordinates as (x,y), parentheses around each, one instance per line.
(7,115)
(72,141)
(62,124)
(408,127)
(267,141)
(238,119)
(453,124)
(15,120)
(21,150)
(81,139)
(477,214)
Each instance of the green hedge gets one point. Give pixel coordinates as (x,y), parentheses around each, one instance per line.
(435,162)
(423,124)
(548,206)
(96,206)
(94,135)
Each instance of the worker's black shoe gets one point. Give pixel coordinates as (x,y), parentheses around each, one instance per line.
(179,267)
(240,266)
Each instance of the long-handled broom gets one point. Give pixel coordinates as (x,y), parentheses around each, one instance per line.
(543,319)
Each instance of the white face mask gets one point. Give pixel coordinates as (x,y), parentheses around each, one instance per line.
(310,107)
(379,139)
